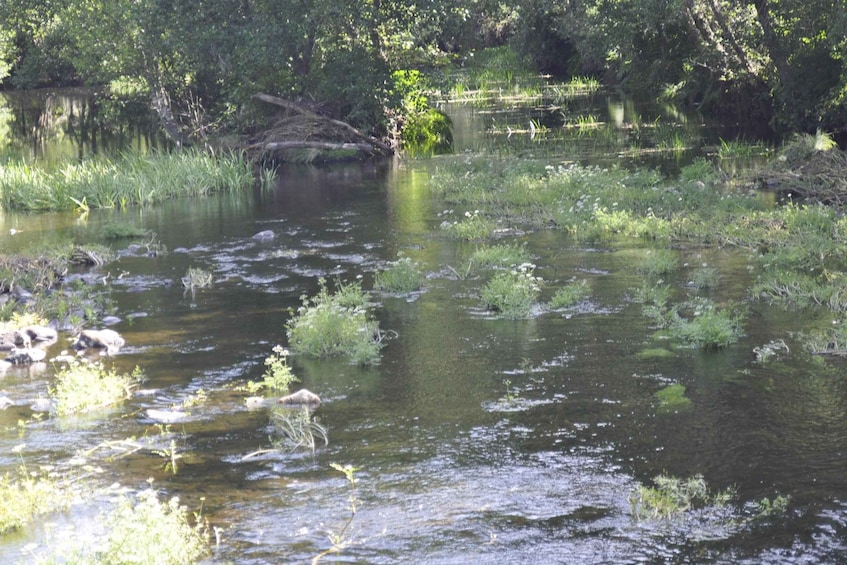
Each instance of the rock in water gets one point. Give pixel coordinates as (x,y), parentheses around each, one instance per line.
(301,397)
(266,235)
(110,340)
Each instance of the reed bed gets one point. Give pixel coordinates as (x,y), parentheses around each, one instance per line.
(132,179)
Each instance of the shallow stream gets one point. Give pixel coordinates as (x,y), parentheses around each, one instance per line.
(476,440)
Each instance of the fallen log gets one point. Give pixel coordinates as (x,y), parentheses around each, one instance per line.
(291,106)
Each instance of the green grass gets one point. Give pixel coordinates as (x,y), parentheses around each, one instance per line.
(401,276)
(336,324)
(500,256)
(132,179)
(672,497)
(27,495)
(707,326)
(475,226)
(83,387)
(570,294)
(512,294)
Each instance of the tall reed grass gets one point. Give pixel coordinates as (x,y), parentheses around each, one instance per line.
(131,179)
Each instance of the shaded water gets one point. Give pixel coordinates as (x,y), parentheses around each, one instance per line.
(449,470)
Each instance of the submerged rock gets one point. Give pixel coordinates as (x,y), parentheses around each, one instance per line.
(41,333)
(26,356)
(110,340)
(266,235)
(302,396)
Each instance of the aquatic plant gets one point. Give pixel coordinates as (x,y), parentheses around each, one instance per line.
(341,538)
(705,278)
(401,276)
(658,263)
(278,376)
(26,495)
(672,497)
(330,324)
(500,255)
(295,429)
(123,230)
(131,179)
(709,327)
(473,227)
(196,278)
(82,387)
(570,294)
(143,529)
(512,293)
(672,398)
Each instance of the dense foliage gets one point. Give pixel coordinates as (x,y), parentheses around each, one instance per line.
(776,62)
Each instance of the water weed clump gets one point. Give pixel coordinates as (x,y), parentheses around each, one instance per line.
(672,497)
(500,256)
(570,294)
(658,263)
(144,529)
(473,227)
(26,495)
(278,376)
(132,179)
(708,326)
(196,278)
(512,293)
(705,278)
(82,387)
(672,398)
(295,429)
(332,324)
(401,276)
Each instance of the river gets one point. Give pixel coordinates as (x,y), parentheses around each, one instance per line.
(449,470)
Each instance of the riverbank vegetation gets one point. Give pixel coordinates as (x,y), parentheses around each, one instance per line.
(132,179)
(778,67)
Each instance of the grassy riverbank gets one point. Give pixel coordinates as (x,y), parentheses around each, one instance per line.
(131,179)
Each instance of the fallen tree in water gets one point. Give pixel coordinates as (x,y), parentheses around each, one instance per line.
(810,168)
(300,129)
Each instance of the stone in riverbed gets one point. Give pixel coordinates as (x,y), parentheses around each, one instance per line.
(26,356)
(301,397)
(110,340)
(266,235)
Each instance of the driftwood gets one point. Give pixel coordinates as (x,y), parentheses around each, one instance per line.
(300,133)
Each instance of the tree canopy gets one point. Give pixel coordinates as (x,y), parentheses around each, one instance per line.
(780,62)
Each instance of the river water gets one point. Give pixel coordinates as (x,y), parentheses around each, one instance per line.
(449,470)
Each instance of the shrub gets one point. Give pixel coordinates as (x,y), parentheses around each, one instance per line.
(512,293)
(336,324)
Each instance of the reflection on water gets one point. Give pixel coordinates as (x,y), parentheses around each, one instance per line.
(54,125)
